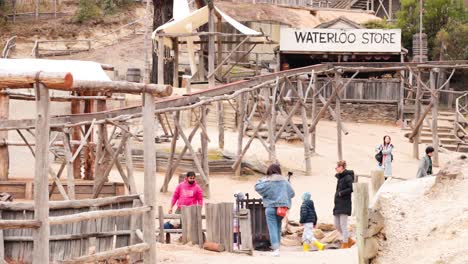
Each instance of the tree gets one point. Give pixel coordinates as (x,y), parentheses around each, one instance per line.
(436,16)
(162,14)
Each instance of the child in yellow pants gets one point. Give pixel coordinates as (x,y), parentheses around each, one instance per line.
(309,220)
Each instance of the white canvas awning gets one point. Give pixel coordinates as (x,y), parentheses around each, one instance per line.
(187,24)
(81,70)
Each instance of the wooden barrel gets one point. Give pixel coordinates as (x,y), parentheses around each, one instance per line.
(133,75)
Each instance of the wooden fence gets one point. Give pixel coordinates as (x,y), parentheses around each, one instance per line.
(72,239)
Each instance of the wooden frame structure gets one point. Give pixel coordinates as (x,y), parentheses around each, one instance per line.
(42,82)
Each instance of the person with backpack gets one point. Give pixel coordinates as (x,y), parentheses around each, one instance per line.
(343,205)
(309,219)
(276,193)
(384,156)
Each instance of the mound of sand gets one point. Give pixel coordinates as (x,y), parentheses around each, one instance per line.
(426,220)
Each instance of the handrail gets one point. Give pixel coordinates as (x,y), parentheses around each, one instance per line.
(459,115)
(10,45)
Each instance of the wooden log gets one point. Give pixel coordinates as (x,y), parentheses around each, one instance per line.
(212,246)
(18,224)
(158,90)
(41,198)
(417,115)
(129,166)
(204,150)
(4,155)
(175,46)
(270,105)
(111,254)
(240,130)
(135,224)
(51,80)
(313,134)
(73,218)
(435,115)
(160,60)
(76,135)
(169,170)
(89,158)
(338,82)
(332,96)
(362,204)
(149,224)
(305,125)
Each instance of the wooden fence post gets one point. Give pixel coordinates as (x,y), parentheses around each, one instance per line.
(41,184)
(417,114)
(149,221)
(435,114)
(377,179)
(361,191)
(4,155)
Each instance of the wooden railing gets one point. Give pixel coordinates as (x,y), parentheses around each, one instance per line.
(461,110)
(38,52)
(9,46)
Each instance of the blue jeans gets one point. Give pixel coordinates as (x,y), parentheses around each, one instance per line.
(274,226)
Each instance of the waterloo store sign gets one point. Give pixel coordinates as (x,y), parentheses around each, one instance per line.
(340,40)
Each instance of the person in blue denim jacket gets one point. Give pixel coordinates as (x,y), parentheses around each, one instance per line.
(276,192)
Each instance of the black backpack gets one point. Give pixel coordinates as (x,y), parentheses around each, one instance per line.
(379,156)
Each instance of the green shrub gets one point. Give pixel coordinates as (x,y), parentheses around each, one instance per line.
(87,10)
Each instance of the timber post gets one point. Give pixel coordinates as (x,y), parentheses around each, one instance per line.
(435,113)
(4,154)
(41,184)
(240,129)
(338,82)
(149,152)
(361,191)
(417,114)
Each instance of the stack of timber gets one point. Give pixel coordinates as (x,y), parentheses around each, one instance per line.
(217,166)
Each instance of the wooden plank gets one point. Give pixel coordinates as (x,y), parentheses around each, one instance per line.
(199,220)
(245,226)
(417,116)
(129,166)
(337,84)
(135,223)
(58,220)
(204,151)
(313,134)
(175,46)
(41,190)
(377,179)
(160,60)
(170,170)
(149,224)
(241,101)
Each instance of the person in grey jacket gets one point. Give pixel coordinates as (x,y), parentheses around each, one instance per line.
(387,156)
(276,192)
(425,165)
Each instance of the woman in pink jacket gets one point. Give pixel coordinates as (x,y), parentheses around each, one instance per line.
(187,193)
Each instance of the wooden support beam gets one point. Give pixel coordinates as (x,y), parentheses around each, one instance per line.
(4,154)
(401,104)
(175,46)
(313,134)
(239,158)
(305,125)
(198,164)
(240,130)
(149,224)
(417,115)
(377,179)
(69,162)
(435,115)
(169,171)
(158,90)
(160,60)
(271,121)
(51,80)
(100,182)
(338,83)
(89,158)
(41,185)
(332,96)
(129,165)
(76,135)
(204,148)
